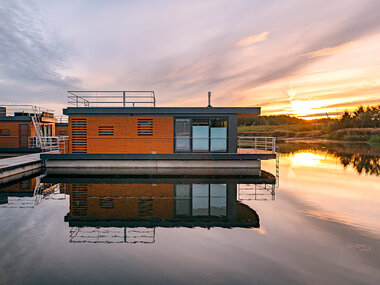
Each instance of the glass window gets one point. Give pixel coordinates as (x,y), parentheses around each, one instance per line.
(218,135)
(200,199)
(201,131)
(182,132)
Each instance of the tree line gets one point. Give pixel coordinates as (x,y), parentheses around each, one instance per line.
(362,117)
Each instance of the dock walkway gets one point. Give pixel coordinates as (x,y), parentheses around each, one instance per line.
(18,165)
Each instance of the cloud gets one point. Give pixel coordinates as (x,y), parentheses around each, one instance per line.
(354,102)
(31,55)
(328,50)
(252,39)
(122,45)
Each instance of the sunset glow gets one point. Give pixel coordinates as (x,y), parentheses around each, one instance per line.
(308,64)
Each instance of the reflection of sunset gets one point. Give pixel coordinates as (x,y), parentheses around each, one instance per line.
(328,190)
(306,159)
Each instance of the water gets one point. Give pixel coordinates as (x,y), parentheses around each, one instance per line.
(321,226)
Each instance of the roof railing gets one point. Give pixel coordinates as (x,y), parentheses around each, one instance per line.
(112,98)
(62,119)
(25,110)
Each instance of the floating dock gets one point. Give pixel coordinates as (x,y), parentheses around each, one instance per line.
(156,164)
(16,167)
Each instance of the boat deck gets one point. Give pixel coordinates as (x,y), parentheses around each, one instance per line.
(242,154)
(253,151)
(248,163)
(19,164)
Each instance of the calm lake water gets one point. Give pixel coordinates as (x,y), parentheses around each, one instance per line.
(320,226)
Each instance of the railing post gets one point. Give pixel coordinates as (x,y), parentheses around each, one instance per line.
(123,98)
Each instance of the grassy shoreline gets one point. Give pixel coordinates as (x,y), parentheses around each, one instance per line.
(300,132)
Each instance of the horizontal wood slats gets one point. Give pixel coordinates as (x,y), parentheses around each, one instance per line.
(5,132)
(79,136)
(125,138)
(105,131)
(145,127)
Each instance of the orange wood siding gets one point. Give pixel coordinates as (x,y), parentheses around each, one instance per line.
(125,138)
(12,141)
(246,115)
(59,129)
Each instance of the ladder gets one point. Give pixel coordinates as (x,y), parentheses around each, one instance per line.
(39,135)
(277,166)
(277,170)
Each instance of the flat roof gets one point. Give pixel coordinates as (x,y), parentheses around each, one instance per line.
(159,111)
(23,119)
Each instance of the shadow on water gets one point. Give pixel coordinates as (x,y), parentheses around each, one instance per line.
(128,209)
(362,157)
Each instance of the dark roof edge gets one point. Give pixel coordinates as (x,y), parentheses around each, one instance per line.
(14,119)
(61,124)
(160,110)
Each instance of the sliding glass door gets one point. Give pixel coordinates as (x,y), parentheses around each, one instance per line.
(201,135)
(182,133)
(218,135)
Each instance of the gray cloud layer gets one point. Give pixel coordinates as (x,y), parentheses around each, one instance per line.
(30,55)
(179,49)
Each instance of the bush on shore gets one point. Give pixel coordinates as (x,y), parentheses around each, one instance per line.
(355,134)
(375,139)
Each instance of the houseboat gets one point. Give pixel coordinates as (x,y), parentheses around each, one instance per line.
(139,136)
(21,124)
(29,128)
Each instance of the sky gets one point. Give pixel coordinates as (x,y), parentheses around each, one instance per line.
(303,58)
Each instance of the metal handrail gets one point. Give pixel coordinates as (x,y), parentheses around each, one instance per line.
(27,109)
(52,143)
(259,143)
(62,119)
(126,98)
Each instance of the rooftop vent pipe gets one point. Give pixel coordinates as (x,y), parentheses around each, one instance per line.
(209,99)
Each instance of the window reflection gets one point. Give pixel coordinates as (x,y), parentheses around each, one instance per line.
(218,199)
(182,204)
(201,200)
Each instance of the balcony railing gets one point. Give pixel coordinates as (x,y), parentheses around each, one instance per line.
(62,119)
(25,110)
(112,235)
(112,98)
(56,143)
(257,143)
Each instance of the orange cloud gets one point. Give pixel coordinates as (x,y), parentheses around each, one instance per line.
(252,39)
(327,51)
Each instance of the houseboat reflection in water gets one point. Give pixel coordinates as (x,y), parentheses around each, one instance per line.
(29,192)
(118,210)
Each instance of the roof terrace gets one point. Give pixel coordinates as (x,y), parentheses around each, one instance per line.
(121,98)
(25,110)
